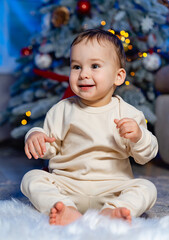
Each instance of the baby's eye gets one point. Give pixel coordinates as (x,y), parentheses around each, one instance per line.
(76,67)
(95,65)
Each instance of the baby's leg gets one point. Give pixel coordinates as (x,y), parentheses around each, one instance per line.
(42,190)
(122,213)
(63,215)
(136,195)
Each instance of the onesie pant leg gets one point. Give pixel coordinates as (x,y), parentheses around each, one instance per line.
(138,195)
(43,191)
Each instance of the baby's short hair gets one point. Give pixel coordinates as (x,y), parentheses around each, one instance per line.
(100,35)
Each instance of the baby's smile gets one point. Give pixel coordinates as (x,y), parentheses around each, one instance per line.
(86,87)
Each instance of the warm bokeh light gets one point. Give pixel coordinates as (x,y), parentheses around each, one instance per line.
(140,54)
(103,23)
(126,34)
(127,83)
(130,47)
(144,54)
(28,113)
(132,74)
(122,32)
(122,39)
(127,41)
(125,46)
(24,122)
(112,31)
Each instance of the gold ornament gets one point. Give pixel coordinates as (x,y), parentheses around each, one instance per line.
(60,16)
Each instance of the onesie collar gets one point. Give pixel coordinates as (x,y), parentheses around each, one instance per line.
(114,101)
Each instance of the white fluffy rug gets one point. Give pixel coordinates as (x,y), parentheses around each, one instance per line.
(21,222)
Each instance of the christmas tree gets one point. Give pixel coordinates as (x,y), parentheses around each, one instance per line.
(42,74)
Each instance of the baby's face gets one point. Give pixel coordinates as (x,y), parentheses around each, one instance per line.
(94,72)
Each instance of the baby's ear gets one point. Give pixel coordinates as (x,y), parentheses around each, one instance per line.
(120,77)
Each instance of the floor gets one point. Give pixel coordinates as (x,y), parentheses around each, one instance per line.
(14,165)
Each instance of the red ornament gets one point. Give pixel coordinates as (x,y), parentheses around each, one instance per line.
(26,51)
(83,7)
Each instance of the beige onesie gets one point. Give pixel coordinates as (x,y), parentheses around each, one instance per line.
(89,163)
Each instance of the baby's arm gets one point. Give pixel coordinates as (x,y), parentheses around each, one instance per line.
(129,129)
(36,144)
(141,144)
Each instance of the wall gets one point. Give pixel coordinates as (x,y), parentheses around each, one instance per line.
(6,80)
(18,23)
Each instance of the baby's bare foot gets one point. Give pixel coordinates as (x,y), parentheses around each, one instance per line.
(63,215)
(121,212)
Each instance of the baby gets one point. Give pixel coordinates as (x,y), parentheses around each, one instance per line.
(89,138)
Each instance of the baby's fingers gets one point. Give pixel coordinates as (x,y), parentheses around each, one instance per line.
(38,145)
(125,128)
(32,150)
(50,139)
(27,151)
(121,122)
(42,145)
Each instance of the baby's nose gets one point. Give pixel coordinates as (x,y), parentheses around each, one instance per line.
(84,74)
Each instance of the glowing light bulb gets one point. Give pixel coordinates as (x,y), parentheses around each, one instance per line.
(24,122)
(111,31)
(122,32)
(122,39)
(28,113)
(127,83)
(144,54)
(130,47)
(140,54)
(126,34)
(127,41)
(103,23)
(125,46)
(132,74)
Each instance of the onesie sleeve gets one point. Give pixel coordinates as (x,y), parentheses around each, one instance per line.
(50,128)
(146,148)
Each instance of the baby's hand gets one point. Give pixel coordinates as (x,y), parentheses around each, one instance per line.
(128,128)
(35,144)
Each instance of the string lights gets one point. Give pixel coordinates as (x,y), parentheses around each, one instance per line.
(24,121)
(103,23)
(127,83)
(124,37)
(132,74)
(28,113)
